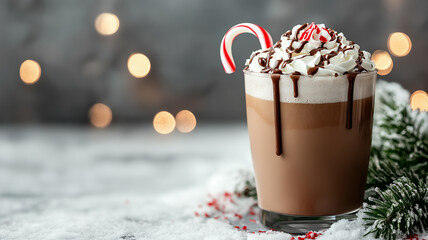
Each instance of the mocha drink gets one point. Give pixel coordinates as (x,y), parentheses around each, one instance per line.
(309,103)
(323,165)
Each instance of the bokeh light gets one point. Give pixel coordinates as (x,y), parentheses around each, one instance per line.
(383,62)
(30,71)
(399,44)
(386,71)
(138,65)
(107,23)
(419,100)
(382,59)
(186,121)
(100,115)
(164,122)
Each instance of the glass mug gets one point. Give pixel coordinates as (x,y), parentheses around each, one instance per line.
(310,140)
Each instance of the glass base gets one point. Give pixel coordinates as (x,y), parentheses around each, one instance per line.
(300,224)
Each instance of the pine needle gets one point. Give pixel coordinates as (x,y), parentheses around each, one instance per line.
(400,210)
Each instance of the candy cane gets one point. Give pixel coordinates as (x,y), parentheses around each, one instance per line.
(226,44)
(307,34)
(316,32)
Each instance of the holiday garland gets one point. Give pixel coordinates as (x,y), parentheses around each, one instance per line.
(397,182)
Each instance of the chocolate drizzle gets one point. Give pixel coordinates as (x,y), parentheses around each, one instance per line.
(313,70)
(349,108)
(277,113)
(277,103)
(284,63)
(295,78)
(252,57)
(324,59)
(339,40)
(359,61)
(287,34)
(274,69)
(290,48)
(262,62)
(314,51)
(300,29)
(276,64)
(302,45)
(332,34)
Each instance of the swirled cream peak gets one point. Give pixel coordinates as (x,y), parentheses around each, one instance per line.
(311,49)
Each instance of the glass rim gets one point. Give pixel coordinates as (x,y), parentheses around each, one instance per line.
(368,73)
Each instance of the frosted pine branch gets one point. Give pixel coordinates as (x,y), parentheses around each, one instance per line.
(400,210)
(400,138)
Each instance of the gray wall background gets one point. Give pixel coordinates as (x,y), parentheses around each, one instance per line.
(181,38)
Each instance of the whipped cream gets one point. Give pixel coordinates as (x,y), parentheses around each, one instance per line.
(311,49)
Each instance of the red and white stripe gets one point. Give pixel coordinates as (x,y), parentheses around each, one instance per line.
(226,44)
(315,32)
(307,34)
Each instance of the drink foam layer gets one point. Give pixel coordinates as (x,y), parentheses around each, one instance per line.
(311,89)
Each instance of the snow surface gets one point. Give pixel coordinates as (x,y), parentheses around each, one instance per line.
(62,182)
(123,183)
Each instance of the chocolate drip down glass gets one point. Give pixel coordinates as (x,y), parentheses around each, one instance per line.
(310,148)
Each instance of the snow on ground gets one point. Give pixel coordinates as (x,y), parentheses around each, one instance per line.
(124,183)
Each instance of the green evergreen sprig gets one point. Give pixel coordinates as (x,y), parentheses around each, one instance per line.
(250,190)
(399,159)
(404,138)
(383,173)
(400,210)
(401,138)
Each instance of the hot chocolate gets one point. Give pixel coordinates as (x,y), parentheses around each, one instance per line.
(322,166)
(309,112)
